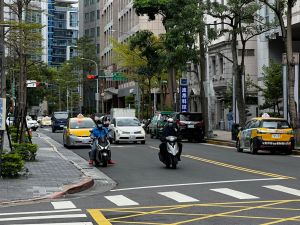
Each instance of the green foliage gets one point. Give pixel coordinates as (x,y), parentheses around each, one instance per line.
(12,164)
(25,150)
(273,90)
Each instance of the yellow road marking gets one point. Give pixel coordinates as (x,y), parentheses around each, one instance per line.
(165,210)
(283,220)
(230,212)
(98,217)
(238,167)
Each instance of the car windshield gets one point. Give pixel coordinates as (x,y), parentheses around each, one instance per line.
(61,116)
(275,124)
(81,124)
(190,117)
(128,122)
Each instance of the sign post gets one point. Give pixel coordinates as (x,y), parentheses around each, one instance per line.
(184,95)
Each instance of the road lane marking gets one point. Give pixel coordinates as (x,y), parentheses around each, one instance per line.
(62,216)
(192,184)
(284,189)
(72,223)
(178,197)
(98,217)
(226,165)
(233,193)
(154,147)
(221,146)
(40,212)
(121,200)
(63,205)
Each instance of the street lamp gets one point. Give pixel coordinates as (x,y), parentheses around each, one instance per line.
(97,75)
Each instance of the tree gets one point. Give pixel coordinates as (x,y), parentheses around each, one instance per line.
(242,25)
(282,10)
(273,87)
(23,39)
(182,28)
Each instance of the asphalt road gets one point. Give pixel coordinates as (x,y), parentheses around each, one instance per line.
(212,185)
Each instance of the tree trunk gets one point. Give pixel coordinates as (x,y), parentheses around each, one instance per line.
(290,68)
(171,87)
(150,99)
(238,72)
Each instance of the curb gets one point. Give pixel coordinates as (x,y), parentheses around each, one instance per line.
(220,142)
(73,188)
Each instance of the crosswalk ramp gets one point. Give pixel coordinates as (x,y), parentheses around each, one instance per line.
(61,213)
(178,197)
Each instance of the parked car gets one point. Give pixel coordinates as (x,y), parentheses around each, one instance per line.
(77,131)
(127,129)
(46,121)
(190,125)
(266,133)
(59,120)
(157,123)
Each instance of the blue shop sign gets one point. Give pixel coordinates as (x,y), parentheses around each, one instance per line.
(184,95)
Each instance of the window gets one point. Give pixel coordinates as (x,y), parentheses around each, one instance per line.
(98,14)
(248,52)
(221,65)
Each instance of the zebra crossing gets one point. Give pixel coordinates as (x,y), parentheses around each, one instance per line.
(60,211)
(177,197)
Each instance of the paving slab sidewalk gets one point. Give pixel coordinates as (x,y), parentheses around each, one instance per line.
(56,173)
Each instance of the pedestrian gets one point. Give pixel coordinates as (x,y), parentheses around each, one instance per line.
(229,120)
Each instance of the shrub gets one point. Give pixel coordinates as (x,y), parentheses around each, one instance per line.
(12,164)
(25,150)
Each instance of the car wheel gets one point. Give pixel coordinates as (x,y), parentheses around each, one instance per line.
(253,147)
(143,142)
(53,130)
(238,146)
(151,135)
(288,151)
(115,140)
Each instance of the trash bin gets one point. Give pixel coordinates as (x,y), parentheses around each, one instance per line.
(234,131)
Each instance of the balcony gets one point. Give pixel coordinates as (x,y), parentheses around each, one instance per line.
(219,83)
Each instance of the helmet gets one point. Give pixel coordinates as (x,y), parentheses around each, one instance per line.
(170,120)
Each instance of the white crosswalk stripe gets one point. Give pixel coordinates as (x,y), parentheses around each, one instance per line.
(178,197)
(121,200)
(63,205)
(63,211)
(284,189)
(235,194)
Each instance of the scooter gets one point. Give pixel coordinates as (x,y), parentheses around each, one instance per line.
(103,151)
(170,158)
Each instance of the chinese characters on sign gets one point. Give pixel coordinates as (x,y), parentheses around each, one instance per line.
(184,95)
(2,113)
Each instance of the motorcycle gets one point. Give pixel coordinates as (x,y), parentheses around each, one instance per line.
(170,158)
(103,151)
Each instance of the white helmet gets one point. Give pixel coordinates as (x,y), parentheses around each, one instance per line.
(170,120)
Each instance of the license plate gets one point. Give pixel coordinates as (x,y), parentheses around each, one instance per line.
(275,135)
(61,125)
(191,126)
(87,140)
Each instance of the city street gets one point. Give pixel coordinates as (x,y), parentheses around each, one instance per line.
(212,185)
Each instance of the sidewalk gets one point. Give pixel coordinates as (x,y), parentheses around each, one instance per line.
(221,137)
(56,172)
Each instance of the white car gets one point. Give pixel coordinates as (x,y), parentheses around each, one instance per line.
(32,124)
(127,129)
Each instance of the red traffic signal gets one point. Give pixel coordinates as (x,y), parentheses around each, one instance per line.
(90,76)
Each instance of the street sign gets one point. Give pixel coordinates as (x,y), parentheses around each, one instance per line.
(31,83)
(184,95)
(2,113)
(118,76)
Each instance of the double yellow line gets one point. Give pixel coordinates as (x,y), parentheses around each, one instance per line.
(230,166)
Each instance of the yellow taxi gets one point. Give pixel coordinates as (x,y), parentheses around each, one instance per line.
(266,133)
(77,131)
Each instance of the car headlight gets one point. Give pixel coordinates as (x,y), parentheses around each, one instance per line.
(290,132)
(259,132)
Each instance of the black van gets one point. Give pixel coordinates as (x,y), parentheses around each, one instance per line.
(59,120)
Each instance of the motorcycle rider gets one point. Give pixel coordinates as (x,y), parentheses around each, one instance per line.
(170,129)
(98,132)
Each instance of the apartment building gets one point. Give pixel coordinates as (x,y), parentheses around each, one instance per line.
(62,30)
(271,47)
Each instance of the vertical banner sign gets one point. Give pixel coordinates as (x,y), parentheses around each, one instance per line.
(184,95)
(2,113)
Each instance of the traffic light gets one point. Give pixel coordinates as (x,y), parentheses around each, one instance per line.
(91,77)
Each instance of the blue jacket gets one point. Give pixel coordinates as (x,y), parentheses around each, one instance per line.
(96,132)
